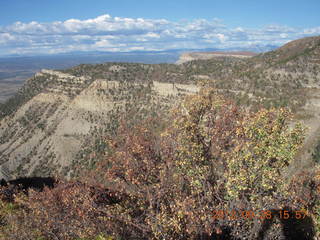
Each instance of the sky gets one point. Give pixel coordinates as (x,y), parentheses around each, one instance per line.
(34,27)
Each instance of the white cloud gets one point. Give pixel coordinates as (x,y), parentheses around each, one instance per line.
(152,35)
(221,37)
(312,31)
(284,35)
(107,33)
(239,29)
(6,38)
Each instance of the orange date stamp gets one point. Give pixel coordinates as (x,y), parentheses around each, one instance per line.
(262,214)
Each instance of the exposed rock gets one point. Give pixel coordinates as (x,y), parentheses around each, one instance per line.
(186,57)
(47,132)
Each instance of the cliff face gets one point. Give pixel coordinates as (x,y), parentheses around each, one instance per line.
(191,56)
(45,135)
(58,119)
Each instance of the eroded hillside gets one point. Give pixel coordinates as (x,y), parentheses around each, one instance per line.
(46,133)
(59,119)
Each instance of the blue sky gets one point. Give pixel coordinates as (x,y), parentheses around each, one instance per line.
(55,26)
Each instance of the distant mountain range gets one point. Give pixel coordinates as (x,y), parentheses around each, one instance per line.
(257,48)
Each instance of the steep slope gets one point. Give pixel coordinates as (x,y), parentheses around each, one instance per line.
(288,77)
(59,119)
(294,50)
(46,133)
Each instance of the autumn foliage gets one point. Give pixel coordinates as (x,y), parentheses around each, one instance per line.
(212,155)
(165,182)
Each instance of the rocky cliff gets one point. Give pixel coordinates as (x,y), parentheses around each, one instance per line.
(58,120)
(46,133)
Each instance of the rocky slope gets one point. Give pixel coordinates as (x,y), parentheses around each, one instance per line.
(190,56)
(58,120)
(45,134)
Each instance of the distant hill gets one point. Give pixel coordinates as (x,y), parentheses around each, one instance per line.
(15,70)
(190,56)
(306,47)
(56,121)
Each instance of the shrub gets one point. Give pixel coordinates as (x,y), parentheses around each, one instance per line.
(69,211)
(167,182)
(212,155)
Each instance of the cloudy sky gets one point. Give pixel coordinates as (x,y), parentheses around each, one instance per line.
(56,26)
